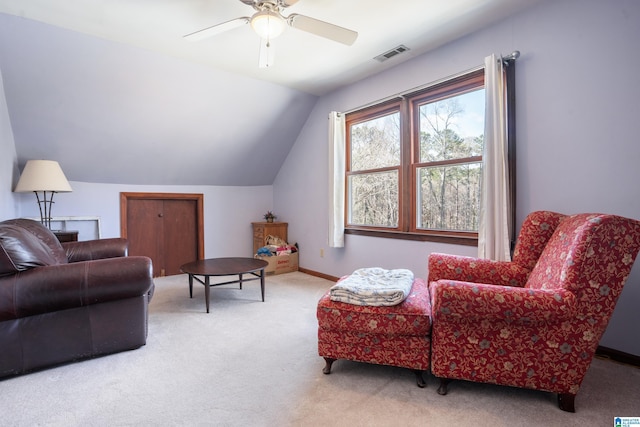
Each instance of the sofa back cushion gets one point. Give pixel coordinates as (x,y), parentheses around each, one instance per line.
(26,244)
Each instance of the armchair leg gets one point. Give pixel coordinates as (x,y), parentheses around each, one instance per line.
(444,383)
(566,402)
(327,367)
(419,378)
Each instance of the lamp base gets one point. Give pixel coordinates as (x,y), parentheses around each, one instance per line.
(45,207)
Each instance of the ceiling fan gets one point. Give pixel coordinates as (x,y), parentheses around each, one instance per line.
(268,22)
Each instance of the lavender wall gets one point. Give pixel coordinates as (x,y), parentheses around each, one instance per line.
(79,99)
(578,151)
(8,160)
(228,211)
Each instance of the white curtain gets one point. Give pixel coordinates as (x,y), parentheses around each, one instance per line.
(493,230)
(337,135)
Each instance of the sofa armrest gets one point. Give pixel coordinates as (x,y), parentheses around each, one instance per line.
(476,270)
(96,249)
(66,286)
(475,302)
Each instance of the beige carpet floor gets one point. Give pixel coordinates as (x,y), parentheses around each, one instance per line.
(249,363)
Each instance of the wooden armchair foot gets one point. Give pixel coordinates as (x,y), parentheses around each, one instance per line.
(444,384)
(419,378)
(566,402)
(327,367)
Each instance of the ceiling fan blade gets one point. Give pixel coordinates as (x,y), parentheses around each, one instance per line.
(287,3)
(217,29)
(322,29)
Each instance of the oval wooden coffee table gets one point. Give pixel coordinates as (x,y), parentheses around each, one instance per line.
(224,267)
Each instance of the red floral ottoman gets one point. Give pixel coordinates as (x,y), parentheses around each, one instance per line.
(385,335)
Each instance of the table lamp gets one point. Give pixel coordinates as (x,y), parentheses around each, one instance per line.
(43,176)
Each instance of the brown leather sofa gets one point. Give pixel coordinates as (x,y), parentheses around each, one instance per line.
(66,302)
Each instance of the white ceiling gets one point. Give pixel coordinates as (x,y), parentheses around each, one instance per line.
(303,61)
(89,80)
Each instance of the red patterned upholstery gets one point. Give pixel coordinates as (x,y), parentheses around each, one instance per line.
(392,335)
(542,336)
(535,233)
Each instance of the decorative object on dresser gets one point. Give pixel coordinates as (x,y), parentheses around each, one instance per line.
(43,176)
(270,216)
(61,303)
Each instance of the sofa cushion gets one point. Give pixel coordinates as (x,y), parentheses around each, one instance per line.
(21,250)
(411,317)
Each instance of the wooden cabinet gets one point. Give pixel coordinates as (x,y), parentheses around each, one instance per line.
(66,236)
(263,229)
(166,227)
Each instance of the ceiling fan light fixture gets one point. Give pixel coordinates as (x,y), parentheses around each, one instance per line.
(268,24)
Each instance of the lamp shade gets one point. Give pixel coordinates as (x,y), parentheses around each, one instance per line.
(267,24)
(42,175)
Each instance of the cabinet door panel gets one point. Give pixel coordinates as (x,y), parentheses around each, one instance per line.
(145,220)
(166,227)
(180,234)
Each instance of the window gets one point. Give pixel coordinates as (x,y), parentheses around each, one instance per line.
(373,180)
(414,165)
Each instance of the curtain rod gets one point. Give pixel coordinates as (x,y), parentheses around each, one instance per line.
(512,56)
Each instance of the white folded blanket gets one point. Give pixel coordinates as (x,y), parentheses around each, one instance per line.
(373,286)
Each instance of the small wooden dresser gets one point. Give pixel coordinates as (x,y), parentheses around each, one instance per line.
(263,229)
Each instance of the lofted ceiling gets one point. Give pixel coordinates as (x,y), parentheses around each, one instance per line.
(303,61)
(112,90)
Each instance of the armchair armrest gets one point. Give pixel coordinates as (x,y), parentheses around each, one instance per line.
(476,270)
(65,286)
(474,302)
(96,249)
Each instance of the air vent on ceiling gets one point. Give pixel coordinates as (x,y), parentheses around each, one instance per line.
(390,54)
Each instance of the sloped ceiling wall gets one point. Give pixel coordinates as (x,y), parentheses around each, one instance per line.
(112,113)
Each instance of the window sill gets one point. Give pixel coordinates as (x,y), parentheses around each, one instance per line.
(454,239)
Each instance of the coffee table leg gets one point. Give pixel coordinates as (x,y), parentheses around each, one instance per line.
(262,283)
(190,285)
(207,291)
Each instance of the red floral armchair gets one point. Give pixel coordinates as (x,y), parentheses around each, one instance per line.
(535,232)
(535,322)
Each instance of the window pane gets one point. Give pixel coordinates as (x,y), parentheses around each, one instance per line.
(452,128)
(449,197)
(376,143)
(373,199)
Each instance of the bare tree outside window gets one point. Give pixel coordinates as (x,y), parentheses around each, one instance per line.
(414,164)
(448,192)
(375,148)
(375,143)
